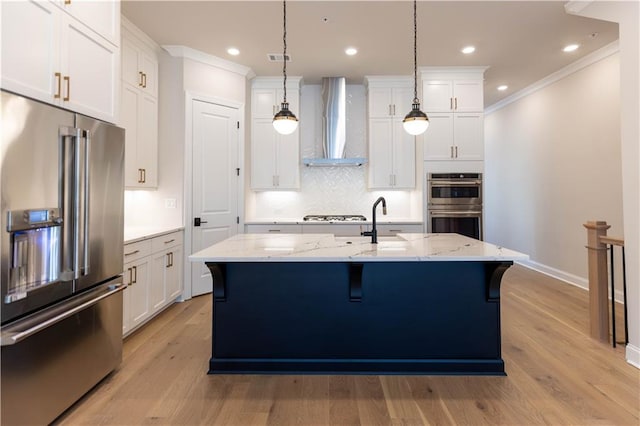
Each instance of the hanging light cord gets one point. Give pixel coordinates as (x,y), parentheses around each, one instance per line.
(284,56)
(415,54)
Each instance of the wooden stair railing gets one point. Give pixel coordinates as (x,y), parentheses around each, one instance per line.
(597,245)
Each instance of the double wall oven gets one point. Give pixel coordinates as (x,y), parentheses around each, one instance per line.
(454,203)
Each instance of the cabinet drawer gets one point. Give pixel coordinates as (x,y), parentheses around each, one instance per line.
(390,229)
(274,229)
(163,242)
(135,251)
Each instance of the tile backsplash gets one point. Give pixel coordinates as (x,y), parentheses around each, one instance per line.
(332,190)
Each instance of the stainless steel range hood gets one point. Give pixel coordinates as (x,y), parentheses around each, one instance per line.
(334,126)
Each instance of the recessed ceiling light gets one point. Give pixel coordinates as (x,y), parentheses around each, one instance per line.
(351,51)
(468,49)
(503,87)
(570,48)
(233,51)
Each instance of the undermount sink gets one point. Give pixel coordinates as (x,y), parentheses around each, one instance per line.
(391,243)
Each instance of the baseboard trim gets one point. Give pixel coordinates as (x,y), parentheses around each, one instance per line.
(567,277)
(633,355)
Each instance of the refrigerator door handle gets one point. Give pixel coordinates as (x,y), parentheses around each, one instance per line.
(77,166)
(86,135)
(12,337)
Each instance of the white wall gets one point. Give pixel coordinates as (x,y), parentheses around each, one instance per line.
(333,190)
(552,163)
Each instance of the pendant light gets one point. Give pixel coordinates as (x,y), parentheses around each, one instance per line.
(285,122)
(416,122)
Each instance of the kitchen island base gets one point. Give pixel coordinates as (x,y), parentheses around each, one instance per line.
(436,317)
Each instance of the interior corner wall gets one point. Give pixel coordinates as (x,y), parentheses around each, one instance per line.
(553,162)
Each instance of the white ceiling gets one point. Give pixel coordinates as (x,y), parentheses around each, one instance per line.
(521,41)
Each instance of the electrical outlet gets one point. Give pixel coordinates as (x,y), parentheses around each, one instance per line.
(170,203)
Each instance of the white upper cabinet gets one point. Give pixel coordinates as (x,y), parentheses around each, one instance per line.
(454,102)
(453,96)
(454,137)
(275,158)
(102,16)
(391,150)
(50,55)
(139,108)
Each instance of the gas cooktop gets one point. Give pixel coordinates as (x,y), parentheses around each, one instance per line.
(334,218)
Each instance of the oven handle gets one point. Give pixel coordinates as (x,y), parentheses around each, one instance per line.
(471,213)
(455,183)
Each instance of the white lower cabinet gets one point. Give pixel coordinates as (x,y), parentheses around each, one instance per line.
(153,275)
(391,229)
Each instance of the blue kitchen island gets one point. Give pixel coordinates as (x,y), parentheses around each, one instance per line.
(319,304)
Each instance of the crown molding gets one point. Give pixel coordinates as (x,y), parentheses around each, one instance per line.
(576,66)
(196,55)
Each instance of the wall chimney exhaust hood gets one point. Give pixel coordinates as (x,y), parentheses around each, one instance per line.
(334,126)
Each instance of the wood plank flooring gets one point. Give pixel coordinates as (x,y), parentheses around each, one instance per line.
(557,375)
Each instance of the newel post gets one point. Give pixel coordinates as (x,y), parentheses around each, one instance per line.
(598,280)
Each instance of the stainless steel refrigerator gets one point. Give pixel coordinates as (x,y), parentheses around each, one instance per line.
(62,203)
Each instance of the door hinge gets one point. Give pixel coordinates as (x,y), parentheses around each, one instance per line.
(238,171)
(238,219)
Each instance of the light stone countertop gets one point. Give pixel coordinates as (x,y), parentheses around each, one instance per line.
(381,220)
(132,235)
(328,248)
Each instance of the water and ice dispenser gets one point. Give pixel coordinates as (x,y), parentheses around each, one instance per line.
(35,250)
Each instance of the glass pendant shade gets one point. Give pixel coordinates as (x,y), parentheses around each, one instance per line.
(416,122)
(285,122)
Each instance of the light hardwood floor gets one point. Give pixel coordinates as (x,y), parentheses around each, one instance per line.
(557,375)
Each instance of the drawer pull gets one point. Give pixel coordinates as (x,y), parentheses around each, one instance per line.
(132,253)
(170,241)
(274,230)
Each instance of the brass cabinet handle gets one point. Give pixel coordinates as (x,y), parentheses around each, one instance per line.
(68,80)
(456,152)
(456,102)
(58,77)
(171,253)
(144,175)
(67,1)
(144,80)
(135,274)
(130,276)
(140,78)
(168,263)
(139,175)
(451,151)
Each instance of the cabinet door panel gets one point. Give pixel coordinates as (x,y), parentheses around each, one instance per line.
(404,157)
(149,68)
(147,144)
(157,288)
(380,102)
(139,296)
(436,96)
(380,152)
(101,16)
(469,135)
(468,96)
(402,100)
(130,67)
(438,139)
(173,274)
(263,154)
(288,161)
(92,66)
(129,121)
(263,103)
(30,53)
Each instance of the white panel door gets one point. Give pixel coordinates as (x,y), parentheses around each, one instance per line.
(215,182)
